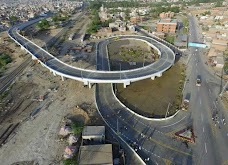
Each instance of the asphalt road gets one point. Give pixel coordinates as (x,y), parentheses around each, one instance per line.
(211,140)
(150,138)
(152,145)
(165,61)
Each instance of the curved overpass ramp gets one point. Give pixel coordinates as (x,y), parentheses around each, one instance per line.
(166,60)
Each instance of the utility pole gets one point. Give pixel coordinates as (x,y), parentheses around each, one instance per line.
(224,88)
(117,126)
(120,70)
(167,110)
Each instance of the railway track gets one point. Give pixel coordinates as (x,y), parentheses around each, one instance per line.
(6,81)
(6,134)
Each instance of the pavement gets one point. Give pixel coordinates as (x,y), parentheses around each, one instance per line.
(211,139)
(151,139)
(144,136)
(165,61)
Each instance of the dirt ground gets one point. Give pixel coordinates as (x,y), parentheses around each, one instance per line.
(225,100)
(117,60)
(37,123)
(152,97)
(36,139)
(11,49)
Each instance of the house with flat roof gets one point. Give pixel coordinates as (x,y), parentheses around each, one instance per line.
(167,25)
(94,133)
(96,154)
(220,45)
(219,61)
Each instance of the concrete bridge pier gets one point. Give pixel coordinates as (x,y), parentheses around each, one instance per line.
(34,58)
(126,83)
(159,74)
(62,78)
(54,73)
(22,48)
(90,86)
(152,78)
(85,82)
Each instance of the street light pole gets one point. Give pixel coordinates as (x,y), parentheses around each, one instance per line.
(143,60)
(117,126)
(224,88)
(167,110)
(120,70)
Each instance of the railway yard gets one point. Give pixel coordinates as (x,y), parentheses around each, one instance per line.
(32,98)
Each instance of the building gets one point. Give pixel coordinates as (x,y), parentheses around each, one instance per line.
(220,45)
(167,26)
(166,15)
(94,133)
(136,19)
(219,61)
(96,154)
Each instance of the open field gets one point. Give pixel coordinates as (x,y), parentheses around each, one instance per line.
(152,97)
(35,138)
(124,52)
(8,47)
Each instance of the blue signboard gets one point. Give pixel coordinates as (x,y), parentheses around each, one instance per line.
(198,45)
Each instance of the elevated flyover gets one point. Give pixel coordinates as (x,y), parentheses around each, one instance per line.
(57,67)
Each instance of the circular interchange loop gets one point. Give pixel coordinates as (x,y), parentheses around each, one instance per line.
(166,60)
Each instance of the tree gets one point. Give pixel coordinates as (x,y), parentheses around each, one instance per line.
(170,39)
(77,128)
(14,18)
(225,66)
(4,60)
(71,161)
(43,24)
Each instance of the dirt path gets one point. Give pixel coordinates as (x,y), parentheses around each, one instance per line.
(37,139)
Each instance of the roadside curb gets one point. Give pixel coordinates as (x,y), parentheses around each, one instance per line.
(139,158)
(141,116)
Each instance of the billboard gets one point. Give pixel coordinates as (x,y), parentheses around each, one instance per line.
(198,45)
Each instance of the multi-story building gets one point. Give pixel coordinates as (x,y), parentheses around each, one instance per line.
(136,19)
(167,26)
(166,15)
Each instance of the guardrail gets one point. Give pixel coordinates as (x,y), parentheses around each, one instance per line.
(84,78)
(125,145)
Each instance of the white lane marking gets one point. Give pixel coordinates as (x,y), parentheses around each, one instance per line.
(173,123)
(209,91)
(203,129)
(214,104)
(205,147)
(200,102)
(201,116)
(196,64)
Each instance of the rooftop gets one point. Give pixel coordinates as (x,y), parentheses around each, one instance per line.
(97,154)
(93,131)
(168,21)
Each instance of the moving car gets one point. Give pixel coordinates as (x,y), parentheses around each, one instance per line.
(198,81)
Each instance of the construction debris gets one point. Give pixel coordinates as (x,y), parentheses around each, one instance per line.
(186,134)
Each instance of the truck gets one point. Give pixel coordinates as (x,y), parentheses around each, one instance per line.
(185,102)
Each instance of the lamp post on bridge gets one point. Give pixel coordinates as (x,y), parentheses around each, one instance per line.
(120,70)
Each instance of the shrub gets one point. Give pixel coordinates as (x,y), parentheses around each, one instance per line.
(4,60)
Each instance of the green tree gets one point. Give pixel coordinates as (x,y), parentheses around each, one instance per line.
(170,39)
(13,18)
(71,161)
(77,128)
(4,60)
(43,25)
